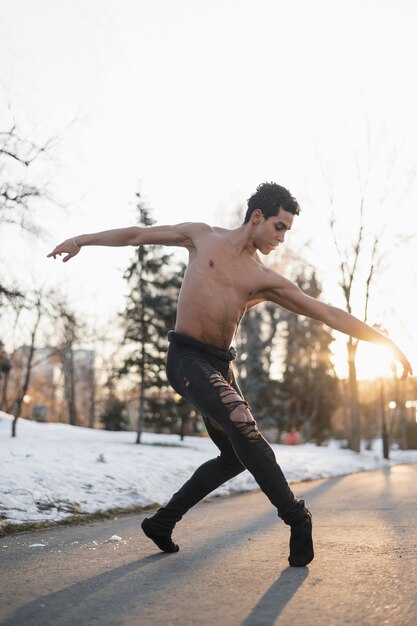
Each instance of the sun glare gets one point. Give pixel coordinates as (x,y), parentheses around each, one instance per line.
(373,361)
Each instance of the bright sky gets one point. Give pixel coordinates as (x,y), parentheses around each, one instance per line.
(198,101)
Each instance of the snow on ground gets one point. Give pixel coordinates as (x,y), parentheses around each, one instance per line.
(52,471)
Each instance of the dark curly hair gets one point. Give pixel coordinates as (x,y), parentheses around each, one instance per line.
(269,198)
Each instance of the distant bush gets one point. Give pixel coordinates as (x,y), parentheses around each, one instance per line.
(115,415)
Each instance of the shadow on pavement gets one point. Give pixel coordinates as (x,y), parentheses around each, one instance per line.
(276,598)
(141,581)
(316,490)
(68,605)
(129,582)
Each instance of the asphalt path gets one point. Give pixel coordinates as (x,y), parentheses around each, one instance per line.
(232,567)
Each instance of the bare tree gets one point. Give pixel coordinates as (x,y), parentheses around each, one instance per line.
(360,261)
(37,306)
(20,190)
(349,261)
(69,330)
(17,192)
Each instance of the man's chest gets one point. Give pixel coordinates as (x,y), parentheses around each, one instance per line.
(241,276)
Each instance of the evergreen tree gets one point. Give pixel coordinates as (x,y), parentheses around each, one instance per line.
(154,281)
(5,367)
(255,343)
(311,391)
(114,416)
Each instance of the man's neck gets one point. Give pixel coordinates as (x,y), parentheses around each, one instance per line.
(241,239)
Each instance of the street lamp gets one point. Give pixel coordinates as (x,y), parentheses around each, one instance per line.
(27,399)
(385,442)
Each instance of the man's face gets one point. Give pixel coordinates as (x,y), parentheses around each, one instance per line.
(269,233)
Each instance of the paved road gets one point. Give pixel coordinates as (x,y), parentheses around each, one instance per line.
(232,568)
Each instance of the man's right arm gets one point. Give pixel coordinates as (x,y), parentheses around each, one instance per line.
(182,235)
(290,296)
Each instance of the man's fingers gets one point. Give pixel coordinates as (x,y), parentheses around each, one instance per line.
(59,252)
(54,252)
(407,369)
(67,248)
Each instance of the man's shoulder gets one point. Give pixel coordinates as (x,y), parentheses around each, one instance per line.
(196,227)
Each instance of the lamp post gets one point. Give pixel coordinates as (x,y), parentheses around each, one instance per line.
(385,436)
(27,399)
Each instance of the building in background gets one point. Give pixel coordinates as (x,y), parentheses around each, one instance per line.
(47,396)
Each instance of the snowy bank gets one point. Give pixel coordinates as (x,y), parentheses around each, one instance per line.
(52,471)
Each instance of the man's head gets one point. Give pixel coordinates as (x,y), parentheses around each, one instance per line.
(270,198)
(270,215)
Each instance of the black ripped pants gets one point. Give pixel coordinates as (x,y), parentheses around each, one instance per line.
(203,375)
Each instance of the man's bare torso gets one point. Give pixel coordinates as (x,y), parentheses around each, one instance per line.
(220,284)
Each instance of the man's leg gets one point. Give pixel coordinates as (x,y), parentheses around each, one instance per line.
(205,479)
(222,401)
(205,386)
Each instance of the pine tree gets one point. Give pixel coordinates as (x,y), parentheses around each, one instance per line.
(154,281)
(114,416)
(312,392)
(256,339)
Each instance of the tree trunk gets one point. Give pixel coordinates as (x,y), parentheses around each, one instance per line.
(26,382)
(402,416)
(385,437)
(141,398)
(69,385)
(401,413)
(183,428)
(3,403)
(92,407)
(355,437)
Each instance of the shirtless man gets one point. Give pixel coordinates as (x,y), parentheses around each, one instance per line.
(225,278)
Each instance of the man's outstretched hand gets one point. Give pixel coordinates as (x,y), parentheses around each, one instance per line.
(399,357)
(68,247)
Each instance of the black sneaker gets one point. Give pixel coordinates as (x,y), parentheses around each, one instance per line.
(301,542)
(164,542)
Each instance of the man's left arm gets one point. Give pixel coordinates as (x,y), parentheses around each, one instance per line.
(290,296)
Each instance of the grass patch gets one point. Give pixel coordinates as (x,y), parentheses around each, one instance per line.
(11,528)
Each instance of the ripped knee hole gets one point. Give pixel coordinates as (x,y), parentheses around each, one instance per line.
(239,410)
